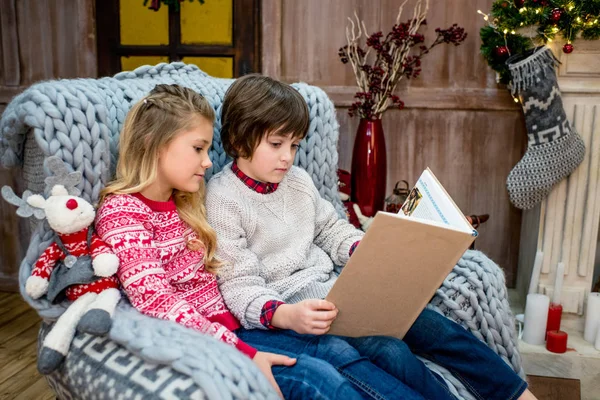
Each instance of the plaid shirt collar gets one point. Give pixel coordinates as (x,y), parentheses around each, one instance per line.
(257,186)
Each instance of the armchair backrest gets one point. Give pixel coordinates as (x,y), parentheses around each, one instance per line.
(80,120)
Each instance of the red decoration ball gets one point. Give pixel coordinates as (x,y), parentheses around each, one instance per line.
(556,15)
(501,52)
(568,48)
(519,3)
(504,4)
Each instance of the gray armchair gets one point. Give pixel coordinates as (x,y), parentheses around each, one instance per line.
(141,357)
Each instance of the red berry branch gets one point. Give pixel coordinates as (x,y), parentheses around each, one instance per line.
(387,59)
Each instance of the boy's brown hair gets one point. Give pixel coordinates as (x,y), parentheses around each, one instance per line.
(256,105)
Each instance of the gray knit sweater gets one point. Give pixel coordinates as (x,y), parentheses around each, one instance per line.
(276,246)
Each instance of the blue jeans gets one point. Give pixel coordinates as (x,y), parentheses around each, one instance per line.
(311,378)
(446,343)
(370,381)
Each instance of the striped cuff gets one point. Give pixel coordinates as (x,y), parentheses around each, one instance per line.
(267,313)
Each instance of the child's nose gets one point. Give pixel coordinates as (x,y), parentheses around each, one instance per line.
(286,156)
(207,163)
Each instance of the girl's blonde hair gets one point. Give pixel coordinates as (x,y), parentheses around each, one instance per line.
(150,125)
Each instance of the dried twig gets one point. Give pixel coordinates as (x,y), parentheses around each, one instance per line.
(392,61)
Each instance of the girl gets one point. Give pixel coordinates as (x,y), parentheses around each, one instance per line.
(152,215)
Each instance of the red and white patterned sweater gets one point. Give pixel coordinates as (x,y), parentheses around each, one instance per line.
(162,277)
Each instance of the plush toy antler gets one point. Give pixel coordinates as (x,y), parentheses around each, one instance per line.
(62,176)
(77,264)
(25,210)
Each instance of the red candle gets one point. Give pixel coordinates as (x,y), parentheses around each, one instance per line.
(556,341)
(554,315)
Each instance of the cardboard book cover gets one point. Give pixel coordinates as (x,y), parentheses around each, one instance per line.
(400,263)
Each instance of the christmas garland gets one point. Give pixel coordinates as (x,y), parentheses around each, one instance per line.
(515,26)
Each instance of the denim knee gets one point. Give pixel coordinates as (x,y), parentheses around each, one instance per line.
(432,329)
(312,378)
(336,351)
(378,347)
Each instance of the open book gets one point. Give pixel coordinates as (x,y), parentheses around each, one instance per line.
(400,263)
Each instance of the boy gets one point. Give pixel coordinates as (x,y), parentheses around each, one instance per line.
(279,241)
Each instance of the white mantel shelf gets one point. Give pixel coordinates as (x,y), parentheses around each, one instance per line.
(581,361)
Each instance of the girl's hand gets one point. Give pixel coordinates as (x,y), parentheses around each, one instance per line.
(309,316)
(266,360)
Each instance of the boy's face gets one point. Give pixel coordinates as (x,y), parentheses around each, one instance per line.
(272,159)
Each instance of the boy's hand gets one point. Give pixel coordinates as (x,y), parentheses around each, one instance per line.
(309,316)
(266,360)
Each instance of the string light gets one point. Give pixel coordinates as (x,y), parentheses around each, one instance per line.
(534,25)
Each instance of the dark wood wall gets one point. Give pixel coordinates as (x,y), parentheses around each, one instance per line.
(457,120)
(39,39)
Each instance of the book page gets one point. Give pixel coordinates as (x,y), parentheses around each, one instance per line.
(428,200)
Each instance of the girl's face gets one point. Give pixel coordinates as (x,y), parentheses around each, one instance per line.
(272,158)
(183,162)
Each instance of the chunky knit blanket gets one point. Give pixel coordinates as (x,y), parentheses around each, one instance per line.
(80,120)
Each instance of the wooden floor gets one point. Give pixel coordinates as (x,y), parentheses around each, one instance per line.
(546,388)
(20,380)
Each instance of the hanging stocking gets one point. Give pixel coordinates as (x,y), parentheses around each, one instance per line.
(554,149)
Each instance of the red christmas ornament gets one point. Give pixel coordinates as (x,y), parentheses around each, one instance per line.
(501,52)
(504,4)
(555,15)
(519,3)
(568,48)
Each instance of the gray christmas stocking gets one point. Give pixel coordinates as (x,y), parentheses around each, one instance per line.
(554,149)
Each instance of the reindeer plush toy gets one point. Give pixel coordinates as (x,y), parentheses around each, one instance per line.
(77,265)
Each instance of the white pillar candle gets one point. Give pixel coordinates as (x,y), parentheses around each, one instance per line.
(592,317)
(558,283)
(536,317)
(535,274)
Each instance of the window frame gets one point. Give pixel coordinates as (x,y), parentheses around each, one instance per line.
(245,48)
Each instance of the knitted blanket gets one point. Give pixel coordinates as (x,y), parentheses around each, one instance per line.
(79,120)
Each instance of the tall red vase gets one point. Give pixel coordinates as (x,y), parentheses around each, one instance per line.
(369,167)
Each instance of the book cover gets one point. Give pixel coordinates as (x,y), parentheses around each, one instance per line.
(399,264)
